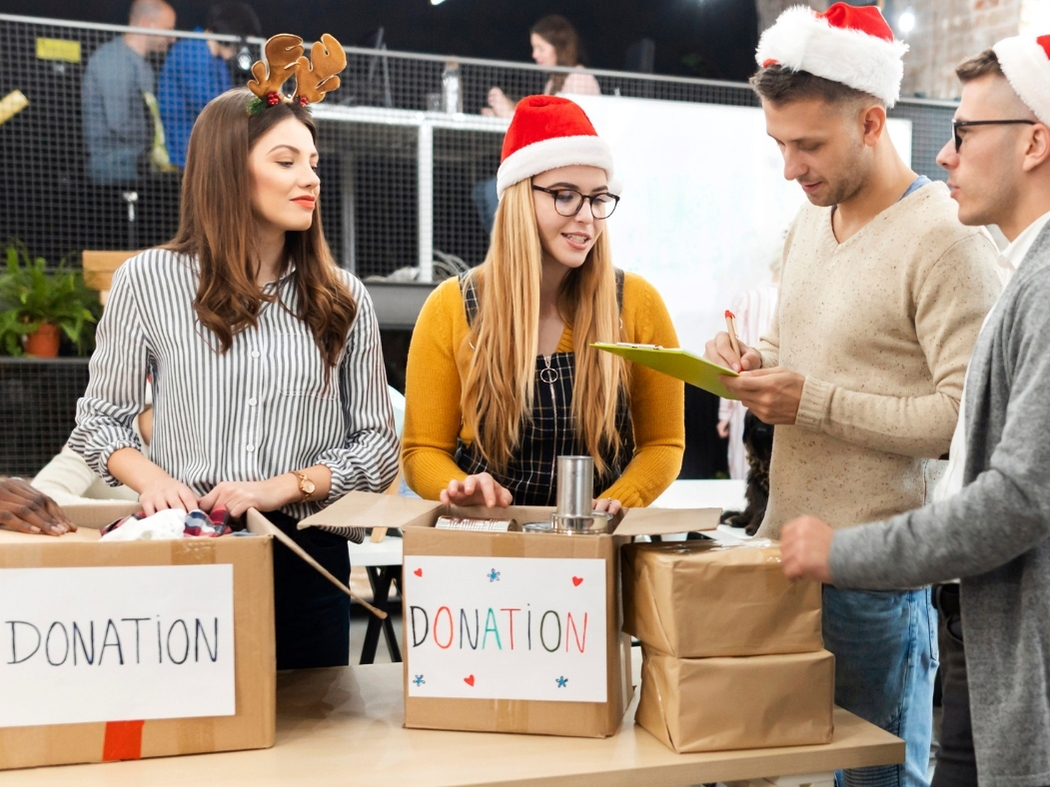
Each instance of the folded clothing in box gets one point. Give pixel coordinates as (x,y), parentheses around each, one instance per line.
(696,599)
(752,702)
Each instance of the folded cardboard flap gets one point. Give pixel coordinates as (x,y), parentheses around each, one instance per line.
(754,702)
(697,599)
(260,525)
(369,510)
(97,515)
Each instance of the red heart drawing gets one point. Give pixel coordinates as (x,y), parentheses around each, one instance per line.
(418,572)
(469,680)
(577,580)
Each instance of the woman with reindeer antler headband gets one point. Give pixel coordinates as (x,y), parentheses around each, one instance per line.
(269,389)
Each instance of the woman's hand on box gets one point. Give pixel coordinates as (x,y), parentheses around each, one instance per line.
(29,510)
(476,490)
(609,505)
(805,546)
(164,493)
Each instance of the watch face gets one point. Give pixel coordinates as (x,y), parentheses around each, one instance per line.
(308,487)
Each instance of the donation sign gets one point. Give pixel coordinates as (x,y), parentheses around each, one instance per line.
(119,643)
(505,628)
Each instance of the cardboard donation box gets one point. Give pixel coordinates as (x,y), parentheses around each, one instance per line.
(115,651)
(733,655)
(511,631)
(753,702)
(697,599)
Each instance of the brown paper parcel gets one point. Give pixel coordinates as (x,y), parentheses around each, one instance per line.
(697,599)
(754,702)
(255,678)
(417,518)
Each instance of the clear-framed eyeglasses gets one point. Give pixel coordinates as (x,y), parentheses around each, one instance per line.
(569,201)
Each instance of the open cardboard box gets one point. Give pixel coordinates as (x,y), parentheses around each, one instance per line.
(102,675)
(483,611)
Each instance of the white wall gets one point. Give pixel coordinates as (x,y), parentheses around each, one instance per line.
(704,201)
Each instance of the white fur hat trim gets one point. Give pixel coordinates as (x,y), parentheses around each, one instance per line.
(1027,68)
(802,41)
(552,153)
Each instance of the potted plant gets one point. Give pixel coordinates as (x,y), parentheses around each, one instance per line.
(38,306)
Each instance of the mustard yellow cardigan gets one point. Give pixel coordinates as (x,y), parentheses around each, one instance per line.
(438,359)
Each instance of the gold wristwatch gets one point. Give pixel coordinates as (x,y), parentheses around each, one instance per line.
(306,486)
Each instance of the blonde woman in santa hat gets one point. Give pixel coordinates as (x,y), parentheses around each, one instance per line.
(501,378)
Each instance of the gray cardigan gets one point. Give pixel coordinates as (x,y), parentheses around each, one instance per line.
(993,534)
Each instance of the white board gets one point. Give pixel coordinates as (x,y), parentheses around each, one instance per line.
(122,643)
(705,203)
(506,628)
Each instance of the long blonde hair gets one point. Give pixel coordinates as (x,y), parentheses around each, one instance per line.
(497,394)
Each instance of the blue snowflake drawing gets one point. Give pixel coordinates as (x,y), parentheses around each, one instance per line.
(562,682)
(418,680)
(493,576)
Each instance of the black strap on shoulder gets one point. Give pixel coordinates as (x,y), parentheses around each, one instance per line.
(469,294)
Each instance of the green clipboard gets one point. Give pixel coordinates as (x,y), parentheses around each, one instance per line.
(678,363)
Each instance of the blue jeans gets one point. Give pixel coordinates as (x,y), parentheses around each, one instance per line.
(885,646)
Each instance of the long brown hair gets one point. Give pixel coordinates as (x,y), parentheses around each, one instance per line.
(558,32)
(216,226)
(498,390)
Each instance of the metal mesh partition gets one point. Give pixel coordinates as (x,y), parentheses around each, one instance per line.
(407,187)
(404,183)
(38,409)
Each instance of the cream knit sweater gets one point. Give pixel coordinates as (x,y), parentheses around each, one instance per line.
(882,326)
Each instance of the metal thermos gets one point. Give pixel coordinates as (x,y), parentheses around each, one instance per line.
(575,512)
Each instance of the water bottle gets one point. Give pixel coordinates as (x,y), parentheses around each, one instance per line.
(452,95)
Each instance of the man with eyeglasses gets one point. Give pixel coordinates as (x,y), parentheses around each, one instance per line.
(991,525)
(882,296)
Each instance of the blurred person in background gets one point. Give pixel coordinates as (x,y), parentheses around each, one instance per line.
(197,70)
(554,43)
(117,98)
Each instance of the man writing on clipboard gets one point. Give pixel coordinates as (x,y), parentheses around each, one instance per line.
(883,293)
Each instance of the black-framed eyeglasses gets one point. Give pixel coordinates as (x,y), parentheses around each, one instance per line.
(958,124)
(569,201)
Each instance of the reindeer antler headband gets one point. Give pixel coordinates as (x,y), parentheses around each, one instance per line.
(284,58)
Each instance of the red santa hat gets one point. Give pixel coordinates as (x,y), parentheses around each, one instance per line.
(849,45)
(548,132)
(1026,62)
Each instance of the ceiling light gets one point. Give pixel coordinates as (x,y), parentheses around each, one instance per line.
(906,22)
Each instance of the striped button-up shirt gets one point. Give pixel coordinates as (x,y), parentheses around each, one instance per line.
(257,411)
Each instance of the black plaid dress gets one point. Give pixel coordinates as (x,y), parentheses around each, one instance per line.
(531,474)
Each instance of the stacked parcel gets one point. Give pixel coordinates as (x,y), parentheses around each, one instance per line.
(733,656)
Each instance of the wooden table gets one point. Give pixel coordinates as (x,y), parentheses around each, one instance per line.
(343,727)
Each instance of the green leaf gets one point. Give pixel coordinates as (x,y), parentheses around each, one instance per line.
(30,294)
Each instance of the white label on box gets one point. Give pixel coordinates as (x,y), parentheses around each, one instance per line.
(121,643)
(506,628)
